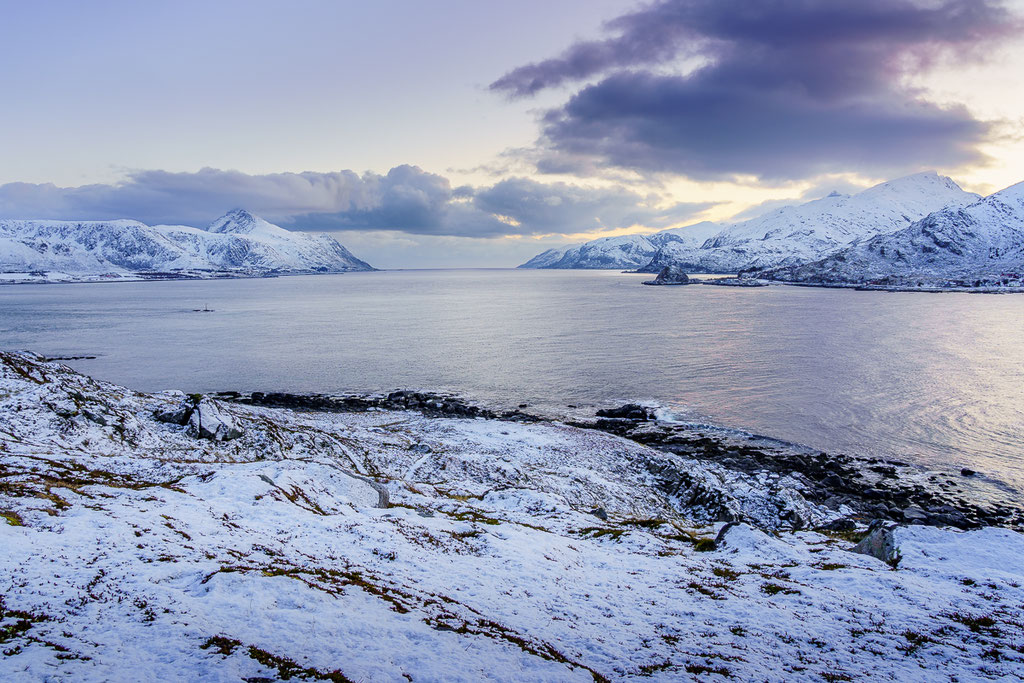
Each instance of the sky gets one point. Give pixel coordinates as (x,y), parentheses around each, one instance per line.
(460,133)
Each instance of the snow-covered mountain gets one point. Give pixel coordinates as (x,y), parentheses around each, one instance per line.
(981,242)
(624,251)
(798,234)
(790,235)
(237,241)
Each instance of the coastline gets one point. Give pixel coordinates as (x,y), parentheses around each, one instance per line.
(715,279)
(413,536)
(171,277)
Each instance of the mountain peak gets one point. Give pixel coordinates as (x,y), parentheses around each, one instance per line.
(241,222)
(923,179)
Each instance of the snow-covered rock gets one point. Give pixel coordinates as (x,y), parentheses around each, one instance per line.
(238,242)
(982,242)
(210,421)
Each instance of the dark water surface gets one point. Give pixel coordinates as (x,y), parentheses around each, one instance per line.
(931,378)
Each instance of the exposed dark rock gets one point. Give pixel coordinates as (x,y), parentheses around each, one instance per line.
(723,532)
(178,415)
(600,513)
(95,417)
(430,404)
(630,411)
(914,515)
(967,472)
(670,275)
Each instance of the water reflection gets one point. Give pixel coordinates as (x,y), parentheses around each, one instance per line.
(931,378)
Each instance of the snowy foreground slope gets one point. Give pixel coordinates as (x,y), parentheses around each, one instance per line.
(391,546)
(982,243)
(786,236)
(237,243)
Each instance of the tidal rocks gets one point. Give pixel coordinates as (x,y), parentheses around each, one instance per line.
(430,404)
(914,515)
(670,275)
(630,411)
(864,489)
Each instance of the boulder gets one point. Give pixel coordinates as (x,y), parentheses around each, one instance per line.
(880,543)
(178,415)
(914,515)
(209,421)
(670,275)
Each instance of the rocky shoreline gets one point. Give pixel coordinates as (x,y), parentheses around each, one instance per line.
(860,489)
(868,488)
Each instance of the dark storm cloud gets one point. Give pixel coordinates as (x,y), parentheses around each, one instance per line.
(782,88)
(406,199)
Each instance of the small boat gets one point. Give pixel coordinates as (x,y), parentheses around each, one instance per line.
(205,309)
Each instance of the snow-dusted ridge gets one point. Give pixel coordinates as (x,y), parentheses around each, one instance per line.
(237,243)
(135,550)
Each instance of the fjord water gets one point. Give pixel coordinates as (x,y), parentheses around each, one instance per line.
(936,379)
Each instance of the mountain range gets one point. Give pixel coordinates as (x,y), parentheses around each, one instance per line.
(624,251)
(980,244)
(237,242)
(788,236)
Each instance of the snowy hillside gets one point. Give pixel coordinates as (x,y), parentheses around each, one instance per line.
(389,546)
(983,241)
(623,252)
(237,242)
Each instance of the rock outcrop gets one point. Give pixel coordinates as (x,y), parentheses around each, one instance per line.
(670,275)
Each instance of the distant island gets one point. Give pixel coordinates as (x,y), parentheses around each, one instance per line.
(238,244)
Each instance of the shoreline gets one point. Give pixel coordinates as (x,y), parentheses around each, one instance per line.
(868,488)
(176,277)
(719,280)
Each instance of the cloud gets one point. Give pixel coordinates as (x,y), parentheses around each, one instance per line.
(406,199)
(559,207)
(825,186)
(777,88)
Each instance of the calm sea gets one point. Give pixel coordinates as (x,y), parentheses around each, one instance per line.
(931,378)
